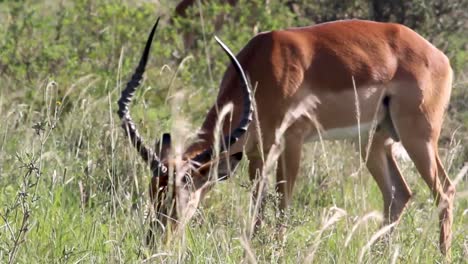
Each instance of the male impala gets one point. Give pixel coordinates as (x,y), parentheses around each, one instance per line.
(399,80)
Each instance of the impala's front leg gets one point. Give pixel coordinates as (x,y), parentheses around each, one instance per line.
(159,212)
(288,168)
(259,190)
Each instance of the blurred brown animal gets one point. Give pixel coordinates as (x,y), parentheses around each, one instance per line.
(381,82)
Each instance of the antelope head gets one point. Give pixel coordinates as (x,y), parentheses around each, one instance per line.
(190,175)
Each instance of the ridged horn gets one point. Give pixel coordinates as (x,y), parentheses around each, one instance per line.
(246,114)
(148,155)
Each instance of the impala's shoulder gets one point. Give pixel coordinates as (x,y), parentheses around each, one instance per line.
(267,40)
(282,36)
(269,36)
(355,24)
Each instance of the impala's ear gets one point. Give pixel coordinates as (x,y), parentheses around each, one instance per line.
(163,147)
(227,167)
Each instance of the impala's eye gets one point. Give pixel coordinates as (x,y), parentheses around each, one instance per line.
(187,179)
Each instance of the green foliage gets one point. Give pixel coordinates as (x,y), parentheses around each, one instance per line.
(72,190)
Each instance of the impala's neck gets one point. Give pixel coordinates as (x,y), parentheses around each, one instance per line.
(230,92)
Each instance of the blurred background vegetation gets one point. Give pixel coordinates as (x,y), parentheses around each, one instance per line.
(66,40)
(63,64)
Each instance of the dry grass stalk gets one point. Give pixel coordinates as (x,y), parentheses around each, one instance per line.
(395,255)
(384,230)
(369,216)
(337,215)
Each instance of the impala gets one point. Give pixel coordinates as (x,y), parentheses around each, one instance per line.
(359,73)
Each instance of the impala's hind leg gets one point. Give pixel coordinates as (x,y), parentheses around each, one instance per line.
(419,127)
(423,152)
(381,164)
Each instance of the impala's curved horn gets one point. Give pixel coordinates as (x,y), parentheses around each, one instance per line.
(246,114)
(148,155)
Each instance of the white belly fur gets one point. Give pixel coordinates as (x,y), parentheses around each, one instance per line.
(342,132)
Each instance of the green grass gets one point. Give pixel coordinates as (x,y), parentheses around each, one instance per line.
(72,190)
